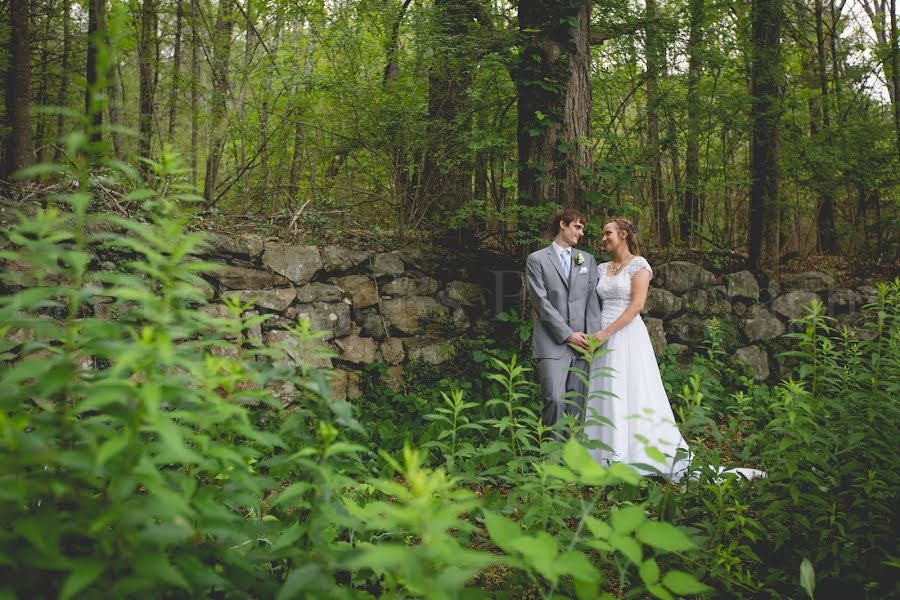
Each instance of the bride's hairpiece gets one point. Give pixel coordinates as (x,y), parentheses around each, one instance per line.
(631,227)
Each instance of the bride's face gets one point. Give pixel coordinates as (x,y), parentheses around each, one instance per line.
(613,238)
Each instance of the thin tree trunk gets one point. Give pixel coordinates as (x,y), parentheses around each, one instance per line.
(264,116)
(221,55)
(766,77)
(146,52)
(41,128)
(690,214)
(195,90)
(18,149)
(114,84)
(655,59)
(62,100)
(96,27)
(553,120)
(825,214)
(895,70)
(176,71)
(297,160)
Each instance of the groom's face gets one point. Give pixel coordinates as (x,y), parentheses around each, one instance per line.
(572,233)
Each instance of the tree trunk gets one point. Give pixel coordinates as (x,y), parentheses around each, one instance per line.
(195,89)
(62,100)
(221,55)
(655,61)
(825,214)
(176,71)
(554,102)
(895,70)
(689,221)
(114,84)
(96,26)
(765,115)
(146,52)
(264,116)
(297,160)
(446,173)
(17,153)
(40,130)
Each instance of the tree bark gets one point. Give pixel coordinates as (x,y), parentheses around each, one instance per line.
(17,152)
(62,100)
(195,90)
(554,102)
(96,26)
(41,128)
(689,221)
(264,116)
(825,214)
(655,55)
(447,169)
(176,71)
(766,77)
(146,54)
(221,55)
(895,70)
(299,131)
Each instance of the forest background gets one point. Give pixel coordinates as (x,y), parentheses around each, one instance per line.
(769,128)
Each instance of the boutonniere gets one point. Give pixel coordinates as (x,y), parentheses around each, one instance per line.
(579,259)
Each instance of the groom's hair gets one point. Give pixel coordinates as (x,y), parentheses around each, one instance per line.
(566,215)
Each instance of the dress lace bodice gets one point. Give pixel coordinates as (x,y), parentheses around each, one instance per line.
(615,290)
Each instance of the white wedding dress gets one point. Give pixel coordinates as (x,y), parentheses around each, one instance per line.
(627,394)
(627,390)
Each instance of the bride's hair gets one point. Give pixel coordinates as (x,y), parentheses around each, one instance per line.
(631,239)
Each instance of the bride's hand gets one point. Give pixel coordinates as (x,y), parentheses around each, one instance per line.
(601,336)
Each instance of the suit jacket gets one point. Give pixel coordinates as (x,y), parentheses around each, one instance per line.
(561,305)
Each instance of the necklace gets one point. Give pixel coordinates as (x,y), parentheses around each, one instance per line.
(616,268)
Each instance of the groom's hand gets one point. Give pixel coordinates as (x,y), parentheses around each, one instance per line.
(578,339)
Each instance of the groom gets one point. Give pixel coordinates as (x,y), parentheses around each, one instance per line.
(560,281)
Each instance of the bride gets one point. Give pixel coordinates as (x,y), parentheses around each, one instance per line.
(636,423)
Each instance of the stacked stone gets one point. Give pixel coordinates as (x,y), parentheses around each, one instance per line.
(684,297)
(370,307)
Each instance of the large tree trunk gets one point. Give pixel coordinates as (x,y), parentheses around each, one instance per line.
(221,55)
(17,152)
(96,29)
(176,71)
(62,100)
(446,173)
(195,89)
(554,102)
(689,222)
(146,54)
(765,115)
(655,60)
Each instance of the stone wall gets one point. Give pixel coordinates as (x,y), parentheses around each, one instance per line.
(753,311)
(396,307)
(389,307)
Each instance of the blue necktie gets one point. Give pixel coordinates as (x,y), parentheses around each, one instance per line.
(566,262)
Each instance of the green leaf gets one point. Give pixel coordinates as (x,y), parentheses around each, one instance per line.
(299,580)
(627,546)
(627,519)
(82,576)
(111,447)
(649,572)
(807,577)
(577,565)
(683,583)
(625,473)
(503,531)
(600,529)
(660,592)
(664,536)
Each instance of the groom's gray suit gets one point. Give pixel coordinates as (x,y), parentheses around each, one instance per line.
(562,307)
